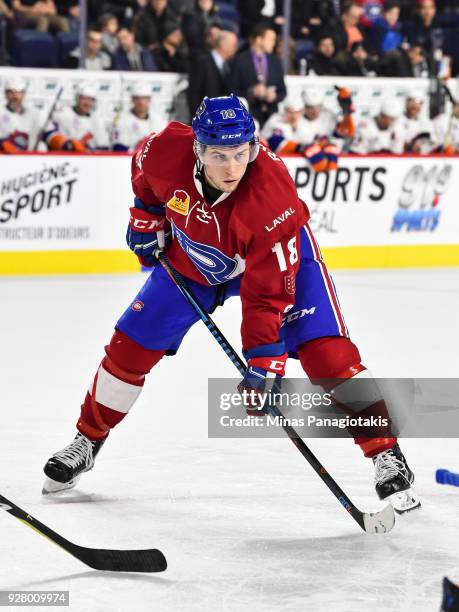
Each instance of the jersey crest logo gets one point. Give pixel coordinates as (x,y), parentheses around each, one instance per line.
(180,202)
(214,265)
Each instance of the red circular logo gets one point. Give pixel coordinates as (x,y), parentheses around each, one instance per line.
(137,305)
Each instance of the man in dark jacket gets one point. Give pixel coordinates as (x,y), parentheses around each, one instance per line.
(209,73)
(130,55)
(153,23)
(409,62)
(257,74)
(357,62)
(323,61)
(425,29)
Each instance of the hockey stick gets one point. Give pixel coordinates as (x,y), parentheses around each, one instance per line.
(150,560)
(377,522)
(48,118)
(447,138)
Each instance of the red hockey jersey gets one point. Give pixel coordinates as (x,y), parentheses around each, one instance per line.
(253,232)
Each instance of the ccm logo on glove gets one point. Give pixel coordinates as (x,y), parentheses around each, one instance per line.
(143,221)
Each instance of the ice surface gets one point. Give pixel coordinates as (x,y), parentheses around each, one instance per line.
(245,524)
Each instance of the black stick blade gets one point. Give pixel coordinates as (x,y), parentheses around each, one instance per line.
(149,560)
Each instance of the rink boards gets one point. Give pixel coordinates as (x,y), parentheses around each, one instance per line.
(64,214)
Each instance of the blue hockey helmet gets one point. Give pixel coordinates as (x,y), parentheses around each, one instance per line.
(224,122)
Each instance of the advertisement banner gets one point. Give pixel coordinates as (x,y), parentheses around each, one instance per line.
(373,211)
(381,200)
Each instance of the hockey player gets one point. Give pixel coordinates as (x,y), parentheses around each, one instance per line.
(379,134)
(308,128)
(138,122)
(285,131)
(19,124)
(211,195)
(417,130)
(78,128)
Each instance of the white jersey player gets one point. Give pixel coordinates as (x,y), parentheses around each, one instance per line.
(19,124)
(446,130)
(417,129)
(78,128)
(286,132)
(321,122)
(138,122)
(380,134)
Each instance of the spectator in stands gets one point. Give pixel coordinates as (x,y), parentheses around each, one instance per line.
(39,14)
(405,62)
(132,126)
(197,23)
(130,55)
(425,29)
(172,54)
(180,7)
(379,134)
(257,74)
(70,9)
(357,62)
(6,32)
(323,61)
(209,73)
(109,26)
(124,10)
(386,33)
(305,19)
(5,11)
(348,30)
(293,66)
(78,128)
(255,12)
(154,22)
(95,59)
(372,9)
(417,130)
(19,124)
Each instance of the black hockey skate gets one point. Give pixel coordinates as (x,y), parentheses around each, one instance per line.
(64,468)
(393,480)
(450,600)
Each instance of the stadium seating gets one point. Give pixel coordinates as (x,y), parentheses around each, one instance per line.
(304,48)
(35,49)
(227,12)
(67,42)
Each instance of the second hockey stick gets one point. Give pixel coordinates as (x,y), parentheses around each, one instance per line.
(377,522)
(149,560)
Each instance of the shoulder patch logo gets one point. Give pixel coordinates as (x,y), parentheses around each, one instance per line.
(180,202)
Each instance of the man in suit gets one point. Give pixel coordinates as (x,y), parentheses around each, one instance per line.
(130,55)
(257,74)
(209,73)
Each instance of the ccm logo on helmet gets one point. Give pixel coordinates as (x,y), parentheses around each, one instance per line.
(224,136)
